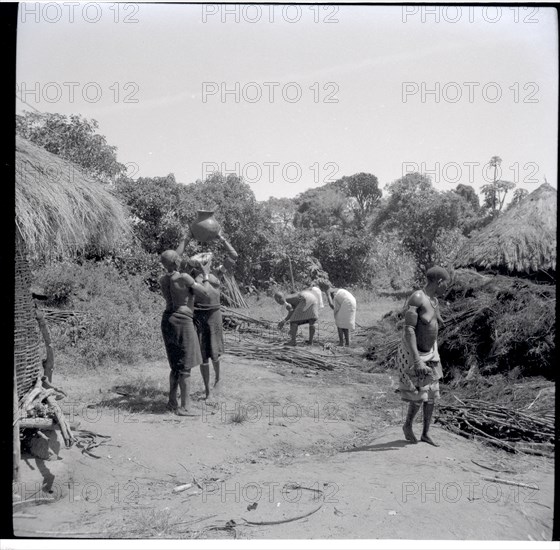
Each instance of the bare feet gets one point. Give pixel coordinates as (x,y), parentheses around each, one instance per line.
(183,412)
(428,439)
(409,434)
(217,387)
(171,406)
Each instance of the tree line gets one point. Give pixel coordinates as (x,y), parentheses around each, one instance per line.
(348,230)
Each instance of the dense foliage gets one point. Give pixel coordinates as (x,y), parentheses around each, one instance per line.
(346,228)
(115,316)
(347,231)
(73,138)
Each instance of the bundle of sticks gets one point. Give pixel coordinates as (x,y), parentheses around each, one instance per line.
(39,409)
(62,315)
(284,354)
(499,425)
(230,292)
(242,318)
(384,351)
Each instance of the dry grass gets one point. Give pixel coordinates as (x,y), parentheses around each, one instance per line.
(522,240)
(59,210)
(240,417)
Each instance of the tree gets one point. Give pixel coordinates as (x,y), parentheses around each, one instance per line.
(495,162)
(322,207)
(160,209)
(469,194)
(344,256)
(400,192)
(495,194)
(422,217)
(245,222)
(75,139)
(364,189)
(518,196)
(281,211)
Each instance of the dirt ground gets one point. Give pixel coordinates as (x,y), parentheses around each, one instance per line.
(280,443)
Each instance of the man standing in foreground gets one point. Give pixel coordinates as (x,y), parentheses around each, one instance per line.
(417,358)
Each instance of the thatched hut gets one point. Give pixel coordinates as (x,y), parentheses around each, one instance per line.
(59,211)
(523,240)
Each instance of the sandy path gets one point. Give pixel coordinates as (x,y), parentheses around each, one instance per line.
(335,432)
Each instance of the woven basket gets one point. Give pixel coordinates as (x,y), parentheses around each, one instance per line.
(27,339)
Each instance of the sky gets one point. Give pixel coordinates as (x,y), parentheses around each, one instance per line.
(292,97)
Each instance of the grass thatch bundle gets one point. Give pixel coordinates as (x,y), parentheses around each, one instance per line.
(522,240)
(59,210)
(493,323)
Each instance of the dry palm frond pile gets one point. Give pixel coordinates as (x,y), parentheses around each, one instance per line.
(499,425)
(492,322)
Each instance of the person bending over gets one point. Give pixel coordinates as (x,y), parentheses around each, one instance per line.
(303,309)
(344,305)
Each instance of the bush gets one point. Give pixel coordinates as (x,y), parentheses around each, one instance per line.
(390,265)
(343,256)
(59,292)
(118,315)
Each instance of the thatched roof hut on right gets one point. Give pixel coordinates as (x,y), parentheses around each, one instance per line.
(523,240)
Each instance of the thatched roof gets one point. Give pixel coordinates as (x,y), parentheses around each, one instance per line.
(521,240)
(59,210)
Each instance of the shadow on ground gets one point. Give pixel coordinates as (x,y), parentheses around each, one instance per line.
(133,398)
(388,446)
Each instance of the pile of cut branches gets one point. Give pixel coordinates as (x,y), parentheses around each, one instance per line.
(499,425)
(494,322)
(298,356)
(384,339)
(232,315)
